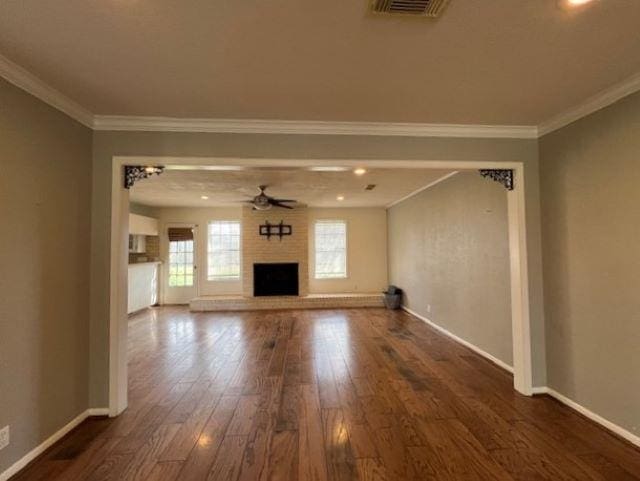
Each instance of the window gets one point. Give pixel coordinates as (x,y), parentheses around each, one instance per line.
(331,249)
(224,251)
(181,263)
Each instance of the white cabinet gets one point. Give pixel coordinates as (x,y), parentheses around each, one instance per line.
(143,285)
(142,225)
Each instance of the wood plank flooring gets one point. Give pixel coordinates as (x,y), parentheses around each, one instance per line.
(361,394)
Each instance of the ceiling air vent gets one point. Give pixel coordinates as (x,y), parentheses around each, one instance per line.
(424,8)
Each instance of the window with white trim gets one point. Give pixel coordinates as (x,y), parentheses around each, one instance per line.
(330,249)
(223,250)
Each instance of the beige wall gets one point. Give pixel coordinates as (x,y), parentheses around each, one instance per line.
(366,250)
(45,181)
(367,245)
(141,209)
(106,145)
(590,173)
(449,252)
(200,216)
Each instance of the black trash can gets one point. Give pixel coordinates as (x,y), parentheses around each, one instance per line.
(392,297)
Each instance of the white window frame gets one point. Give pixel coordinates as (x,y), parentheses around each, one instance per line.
(212,278)
(346,250)
(183,264)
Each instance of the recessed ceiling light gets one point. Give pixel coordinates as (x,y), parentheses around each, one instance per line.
(340,198)
(204,197)
(327,168)
(578,2)
(360,171)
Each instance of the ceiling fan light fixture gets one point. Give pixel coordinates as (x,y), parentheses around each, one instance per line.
(263,201)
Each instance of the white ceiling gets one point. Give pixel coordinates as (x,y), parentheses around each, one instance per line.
(510,62)
(184,188)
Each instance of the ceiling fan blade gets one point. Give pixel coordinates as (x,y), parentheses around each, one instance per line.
(285,200)
(278,204)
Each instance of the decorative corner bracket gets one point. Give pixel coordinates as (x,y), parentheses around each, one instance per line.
(504,176)
(134,173)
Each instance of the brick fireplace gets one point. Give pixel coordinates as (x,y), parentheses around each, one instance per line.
(291,249)
(275,279)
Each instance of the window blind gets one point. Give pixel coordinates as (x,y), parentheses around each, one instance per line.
(180,233)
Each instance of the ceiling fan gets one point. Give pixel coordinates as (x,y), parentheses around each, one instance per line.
(263,201)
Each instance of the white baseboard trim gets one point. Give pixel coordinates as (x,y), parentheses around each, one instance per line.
(611,426)
(98,412)
(459,340)
(539,390)
(614,428)
(47,443)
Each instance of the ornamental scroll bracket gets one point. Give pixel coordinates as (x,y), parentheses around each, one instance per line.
(134,173)
(503,176)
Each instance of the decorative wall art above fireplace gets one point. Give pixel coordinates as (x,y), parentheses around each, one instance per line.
(279,230)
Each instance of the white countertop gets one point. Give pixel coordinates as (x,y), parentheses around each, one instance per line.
(135,264)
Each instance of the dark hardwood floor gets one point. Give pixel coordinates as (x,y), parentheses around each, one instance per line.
(362,394)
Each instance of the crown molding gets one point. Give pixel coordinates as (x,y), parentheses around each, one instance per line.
(602,99)
(422,189)
(28,82)
(251,126)
(25,80)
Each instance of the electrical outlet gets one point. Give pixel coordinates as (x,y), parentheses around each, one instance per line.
(429,308)
(4,437)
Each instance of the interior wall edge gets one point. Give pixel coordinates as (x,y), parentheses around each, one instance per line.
(586,412)
(460,340)
(540,390)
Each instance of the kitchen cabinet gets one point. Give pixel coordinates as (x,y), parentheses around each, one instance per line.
(143,285)
(142,225)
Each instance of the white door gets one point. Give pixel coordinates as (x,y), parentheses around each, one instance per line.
(181,281)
